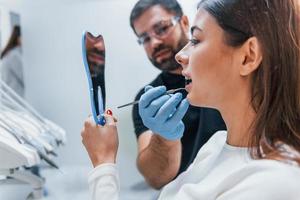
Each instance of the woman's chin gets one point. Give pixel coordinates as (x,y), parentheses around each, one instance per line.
(191,100)
(197,101)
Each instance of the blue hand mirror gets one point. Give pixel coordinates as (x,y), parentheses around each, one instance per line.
(93,53)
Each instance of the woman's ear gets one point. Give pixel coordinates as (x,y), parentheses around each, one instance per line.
(252,56)
(185,23)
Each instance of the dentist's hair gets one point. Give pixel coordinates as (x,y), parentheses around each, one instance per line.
(276,82)
(142,6)
(13,41)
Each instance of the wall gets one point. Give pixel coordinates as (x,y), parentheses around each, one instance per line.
(5,22)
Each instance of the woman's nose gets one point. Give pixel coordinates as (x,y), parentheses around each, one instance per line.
(182,58)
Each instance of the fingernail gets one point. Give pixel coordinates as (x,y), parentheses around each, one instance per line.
(109,112)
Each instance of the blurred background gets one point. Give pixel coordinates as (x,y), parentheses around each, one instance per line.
(56,84)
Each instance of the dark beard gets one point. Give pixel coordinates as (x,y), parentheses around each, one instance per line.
(169,64)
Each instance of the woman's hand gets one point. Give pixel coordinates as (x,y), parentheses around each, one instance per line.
(101,142)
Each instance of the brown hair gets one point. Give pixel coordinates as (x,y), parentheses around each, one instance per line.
(276,82)
(13,41)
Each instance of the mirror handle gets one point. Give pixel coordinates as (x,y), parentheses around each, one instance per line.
(101,119)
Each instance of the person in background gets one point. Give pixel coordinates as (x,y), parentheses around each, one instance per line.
(12,66)
(162,30)
(244,60)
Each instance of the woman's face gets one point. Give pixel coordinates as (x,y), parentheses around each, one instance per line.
(209,63)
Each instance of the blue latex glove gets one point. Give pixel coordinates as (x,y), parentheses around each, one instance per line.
(163,113)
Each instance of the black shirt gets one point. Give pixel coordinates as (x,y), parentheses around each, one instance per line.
(200,123)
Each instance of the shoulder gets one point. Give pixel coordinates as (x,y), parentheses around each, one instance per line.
(265,179)
(213,146)
(14,55)
(274,173)
(218,139)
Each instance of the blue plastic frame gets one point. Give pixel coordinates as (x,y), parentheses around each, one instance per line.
(100,120)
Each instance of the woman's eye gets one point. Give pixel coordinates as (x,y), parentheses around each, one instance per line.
(194,42)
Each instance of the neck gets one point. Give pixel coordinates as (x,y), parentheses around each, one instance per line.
(238,115)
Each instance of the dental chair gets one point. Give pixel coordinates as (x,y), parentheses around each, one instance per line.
(26,140)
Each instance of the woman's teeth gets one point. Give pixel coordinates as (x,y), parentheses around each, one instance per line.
(188,81)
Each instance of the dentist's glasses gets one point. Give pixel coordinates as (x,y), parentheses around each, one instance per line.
(160,30)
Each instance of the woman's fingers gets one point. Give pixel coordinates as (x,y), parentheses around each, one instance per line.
(89,122)
(110,113)
(110,120)
(115,120)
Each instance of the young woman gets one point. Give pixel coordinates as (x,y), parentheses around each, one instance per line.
(248,54)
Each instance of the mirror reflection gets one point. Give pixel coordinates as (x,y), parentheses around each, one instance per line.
(95,55)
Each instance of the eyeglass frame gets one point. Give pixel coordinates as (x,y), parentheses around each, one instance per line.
(149,34)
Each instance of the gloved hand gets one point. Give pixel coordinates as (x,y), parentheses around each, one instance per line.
(163,113)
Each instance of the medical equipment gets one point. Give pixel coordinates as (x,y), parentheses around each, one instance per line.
(14,100)
(93,53)
(26,138)
(137,101)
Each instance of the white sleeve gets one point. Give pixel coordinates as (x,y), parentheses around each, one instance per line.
(266,185)
(104,182)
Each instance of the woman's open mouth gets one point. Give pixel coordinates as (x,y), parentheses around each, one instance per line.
(188,81)
(188,84)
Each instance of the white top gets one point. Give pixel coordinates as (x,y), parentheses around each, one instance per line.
(12,70)
(219,172)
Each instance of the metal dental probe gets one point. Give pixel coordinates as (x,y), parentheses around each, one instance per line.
(137,101)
